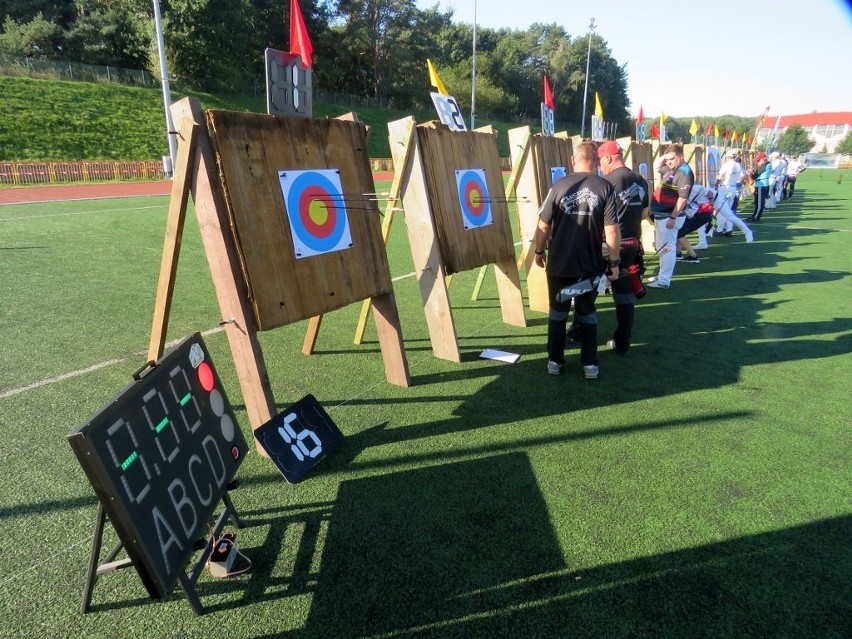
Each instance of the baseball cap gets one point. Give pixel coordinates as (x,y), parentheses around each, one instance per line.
(760,156)
(732,153)
(775,154)
(609,148)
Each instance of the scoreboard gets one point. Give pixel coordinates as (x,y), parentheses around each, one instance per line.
(159,457)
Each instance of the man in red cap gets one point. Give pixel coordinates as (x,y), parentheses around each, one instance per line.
(631,203)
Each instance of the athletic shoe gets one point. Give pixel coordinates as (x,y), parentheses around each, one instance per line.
(590,371)
(749,238)
(688,259)
(679,257)
(553,368)
(727,234)
(700,246)
(610,344)
(656,284)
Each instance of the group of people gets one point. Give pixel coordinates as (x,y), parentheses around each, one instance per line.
(589,228)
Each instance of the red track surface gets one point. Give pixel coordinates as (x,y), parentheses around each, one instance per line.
(59,193)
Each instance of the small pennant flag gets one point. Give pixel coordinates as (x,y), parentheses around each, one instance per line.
(598,107)
(726,133)
(693,129)
(641,118)
(716,129)
(300,43)
(655,131)
(548,94)
(434,79)
(735,137)
(709,130)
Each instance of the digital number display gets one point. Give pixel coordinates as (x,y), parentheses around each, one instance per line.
(548,123)
(159,457)
(299,438)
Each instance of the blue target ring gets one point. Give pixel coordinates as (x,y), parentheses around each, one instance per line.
(312,193)
(473,197)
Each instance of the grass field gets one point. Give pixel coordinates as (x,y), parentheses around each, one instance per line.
(700,488)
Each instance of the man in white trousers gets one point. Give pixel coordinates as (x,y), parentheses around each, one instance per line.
(729,181)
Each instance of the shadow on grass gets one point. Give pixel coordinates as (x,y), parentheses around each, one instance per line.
(467,550)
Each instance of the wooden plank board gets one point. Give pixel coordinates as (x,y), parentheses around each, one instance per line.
(252,151)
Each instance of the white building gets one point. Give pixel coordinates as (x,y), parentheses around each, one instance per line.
(825,129)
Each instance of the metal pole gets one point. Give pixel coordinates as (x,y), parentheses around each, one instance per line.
(586,91)
(164,80)
(473,75)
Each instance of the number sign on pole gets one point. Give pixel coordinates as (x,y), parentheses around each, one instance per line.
(289,88)
(159,457)
(449,111)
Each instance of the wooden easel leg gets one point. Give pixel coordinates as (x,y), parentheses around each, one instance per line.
(478,286)
(509,291)
(191,595)
(311,334)
(390,340)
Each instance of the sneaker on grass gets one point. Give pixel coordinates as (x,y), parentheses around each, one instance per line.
(656,284)
(691,260)
(590,371)
(553,368)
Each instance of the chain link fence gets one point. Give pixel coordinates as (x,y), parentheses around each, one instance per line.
(57,70)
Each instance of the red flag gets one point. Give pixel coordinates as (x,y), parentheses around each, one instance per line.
(548,94)
(655,131)
(300,43)
(641,118)
(726,133)
(709,130)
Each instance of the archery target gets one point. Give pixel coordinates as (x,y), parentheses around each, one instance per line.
(713,163)
(643,170)
(473,198)
(316,211)
(557,172)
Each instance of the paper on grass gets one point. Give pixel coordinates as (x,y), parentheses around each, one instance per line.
(503,356)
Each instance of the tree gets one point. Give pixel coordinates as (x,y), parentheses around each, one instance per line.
(37,38)
(845,145)
(794,140)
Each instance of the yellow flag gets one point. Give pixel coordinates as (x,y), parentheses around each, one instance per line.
(735,137)
(662,118)
(598,107)
(434,80)
(694,128)
(717,130)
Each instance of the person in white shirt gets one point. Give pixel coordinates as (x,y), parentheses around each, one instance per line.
(794,167)
(774,177)
(729,182)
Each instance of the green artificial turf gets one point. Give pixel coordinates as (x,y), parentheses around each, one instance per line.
(699,488)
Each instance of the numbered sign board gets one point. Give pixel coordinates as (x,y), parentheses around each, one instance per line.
(288,85)
(299,438)
(159,457)
(449,111)
(548,122)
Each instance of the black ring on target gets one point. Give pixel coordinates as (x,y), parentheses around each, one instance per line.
(473,196)
(314,189)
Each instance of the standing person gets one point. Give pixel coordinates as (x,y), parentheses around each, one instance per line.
(774,178)
(667,208)
(631,200)
(795,167)
(760,174)
(729,181)
(577,217)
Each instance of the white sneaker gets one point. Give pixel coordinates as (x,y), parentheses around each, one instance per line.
(701,245)
(656,284)
(553,368)
(749,238)
(590,371)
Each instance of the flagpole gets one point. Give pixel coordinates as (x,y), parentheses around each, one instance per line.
(164,81)
(473,74)
(586,91)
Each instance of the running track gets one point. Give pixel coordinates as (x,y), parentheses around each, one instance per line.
(60,193)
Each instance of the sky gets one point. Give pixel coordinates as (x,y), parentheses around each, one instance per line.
(694,58)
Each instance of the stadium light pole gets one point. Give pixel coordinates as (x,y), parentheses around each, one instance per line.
(164,81)
(473,74)
(586,91)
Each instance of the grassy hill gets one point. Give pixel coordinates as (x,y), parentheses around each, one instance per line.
(52,120)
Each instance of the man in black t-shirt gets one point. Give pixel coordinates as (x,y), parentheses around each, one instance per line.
(631,197)
(577,216)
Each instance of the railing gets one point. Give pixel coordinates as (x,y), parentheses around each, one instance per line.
(24,173)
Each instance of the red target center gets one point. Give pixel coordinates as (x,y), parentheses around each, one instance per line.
(474,198)
(317,211)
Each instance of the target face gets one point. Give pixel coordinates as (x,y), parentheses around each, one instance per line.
(712,166)
(557,172)
(316,211)
(473,198)
(643,170)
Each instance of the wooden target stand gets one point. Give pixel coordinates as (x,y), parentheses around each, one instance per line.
(196,172)
(534,158)
(439,246)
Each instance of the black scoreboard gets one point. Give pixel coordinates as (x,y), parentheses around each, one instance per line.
(159,456)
